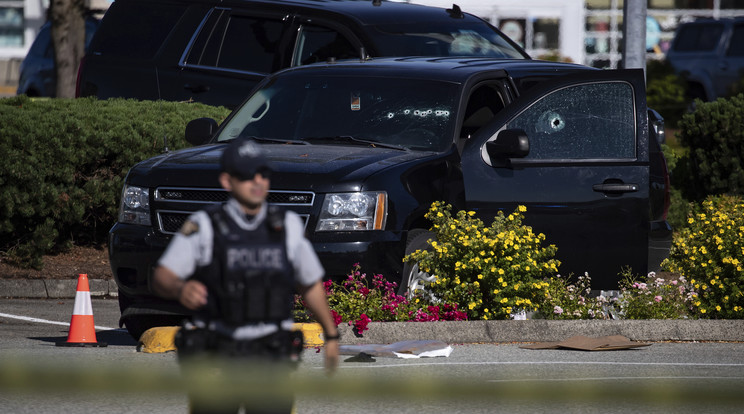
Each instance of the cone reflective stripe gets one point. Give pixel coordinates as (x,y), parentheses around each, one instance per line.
(82,327)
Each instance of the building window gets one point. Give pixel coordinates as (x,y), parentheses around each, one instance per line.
(11,26)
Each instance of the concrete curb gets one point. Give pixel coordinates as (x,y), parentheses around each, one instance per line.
(540,330)
(536,330)
(54,289)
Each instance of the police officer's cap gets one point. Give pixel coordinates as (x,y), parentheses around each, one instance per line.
(243,158)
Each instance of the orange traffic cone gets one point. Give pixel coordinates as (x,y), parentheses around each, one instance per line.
(82,327)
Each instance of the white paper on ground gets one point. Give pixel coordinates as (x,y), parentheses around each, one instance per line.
(403,349)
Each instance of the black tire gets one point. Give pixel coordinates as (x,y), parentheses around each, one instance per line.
(136,325)
(418,239)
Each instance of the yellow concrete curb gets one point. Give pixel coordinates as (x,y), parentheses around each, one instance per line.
(158,339)
(161,338)
(312,333)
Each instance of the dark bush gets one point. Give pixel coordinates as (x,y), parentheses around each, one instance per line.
(714,136)
(666,92)
(65,161)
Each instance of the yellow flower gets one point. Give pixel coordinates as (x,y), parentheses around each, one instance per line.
(522,209)
(471,305)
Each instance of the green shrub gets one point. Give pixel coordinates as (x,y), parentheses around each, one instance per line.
(666,92)
(714,135)
(488,271)
(65,161)
(710,254)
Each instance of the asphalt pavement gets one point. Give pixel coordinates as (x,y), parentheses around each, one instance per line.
(462,332)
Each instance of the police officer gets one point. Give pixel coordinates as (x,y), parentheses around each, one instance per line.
(237,265)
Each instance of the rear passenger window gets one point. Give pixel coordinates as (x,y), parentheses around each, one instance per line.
(145,31)
(236,42)
(591,121)
(698,38)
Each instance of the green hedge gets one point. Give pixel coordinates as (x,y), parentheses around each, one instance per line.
(714,137)
(65,161)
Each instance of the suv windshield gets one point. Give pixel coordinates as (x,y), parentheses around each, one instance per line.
(458,40)
(349,110)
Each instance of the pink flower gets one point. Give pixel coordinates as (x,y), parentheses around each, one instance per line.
(557,310)
(337,319)
(657,298)
(361,324)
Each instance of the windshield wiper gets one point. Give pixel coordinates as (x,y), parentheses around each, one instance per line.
(348,139)
(278,140)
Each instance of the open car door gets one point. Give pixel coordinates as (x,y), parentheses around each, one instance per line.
(574,150)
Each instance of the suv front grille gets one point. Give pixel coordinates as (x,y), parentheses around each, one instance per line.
(170,220)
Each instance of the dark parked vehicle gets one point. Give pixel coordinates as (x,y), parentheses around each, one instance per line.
(710,55)
(38,72)
(215,51)
(362,149)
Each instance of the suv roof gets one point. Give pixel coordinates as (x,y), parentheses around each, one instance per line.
(215,51)
(457,69)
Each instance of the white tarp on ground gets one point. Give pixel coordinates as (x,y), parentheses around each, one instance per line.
(403,349)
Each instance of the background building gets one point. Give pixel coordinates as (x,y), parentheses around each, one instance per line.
(588,31)
(20,21)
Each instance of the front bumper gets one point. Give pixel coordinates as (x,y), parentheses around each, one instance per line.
(134,252)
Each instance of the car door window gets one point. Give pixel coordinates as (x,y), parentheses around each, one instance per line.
(698,38)
(236,42)
(736,45)
(318,44)
(589,121)
(483,104)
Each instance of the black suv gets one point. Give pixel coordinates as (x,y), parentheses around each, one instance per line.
(215,51)
(362,149)
(710,55)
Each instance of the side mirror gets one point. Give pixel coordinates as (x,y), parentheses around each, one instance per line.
(656,126)
(199,131)
(509,143)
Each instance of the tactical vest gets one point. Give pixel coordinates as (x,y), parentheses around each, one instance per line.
(250,278)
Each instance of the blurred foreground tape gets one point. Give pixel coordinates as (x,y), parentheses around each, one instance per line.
(219,379)
(158,339)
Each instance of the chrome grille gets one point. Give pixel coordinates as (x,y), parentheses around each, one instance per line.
(170,220)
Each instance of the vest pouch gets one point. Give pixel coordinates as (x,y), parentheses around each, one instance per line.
(280,303)
(231,302)
(255,303)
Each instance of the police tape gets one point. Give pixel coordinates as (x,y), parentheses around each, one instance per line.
(214,381)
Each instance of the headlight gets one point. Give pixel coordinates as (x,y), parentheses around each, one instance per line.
(353,211)
(135,206)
